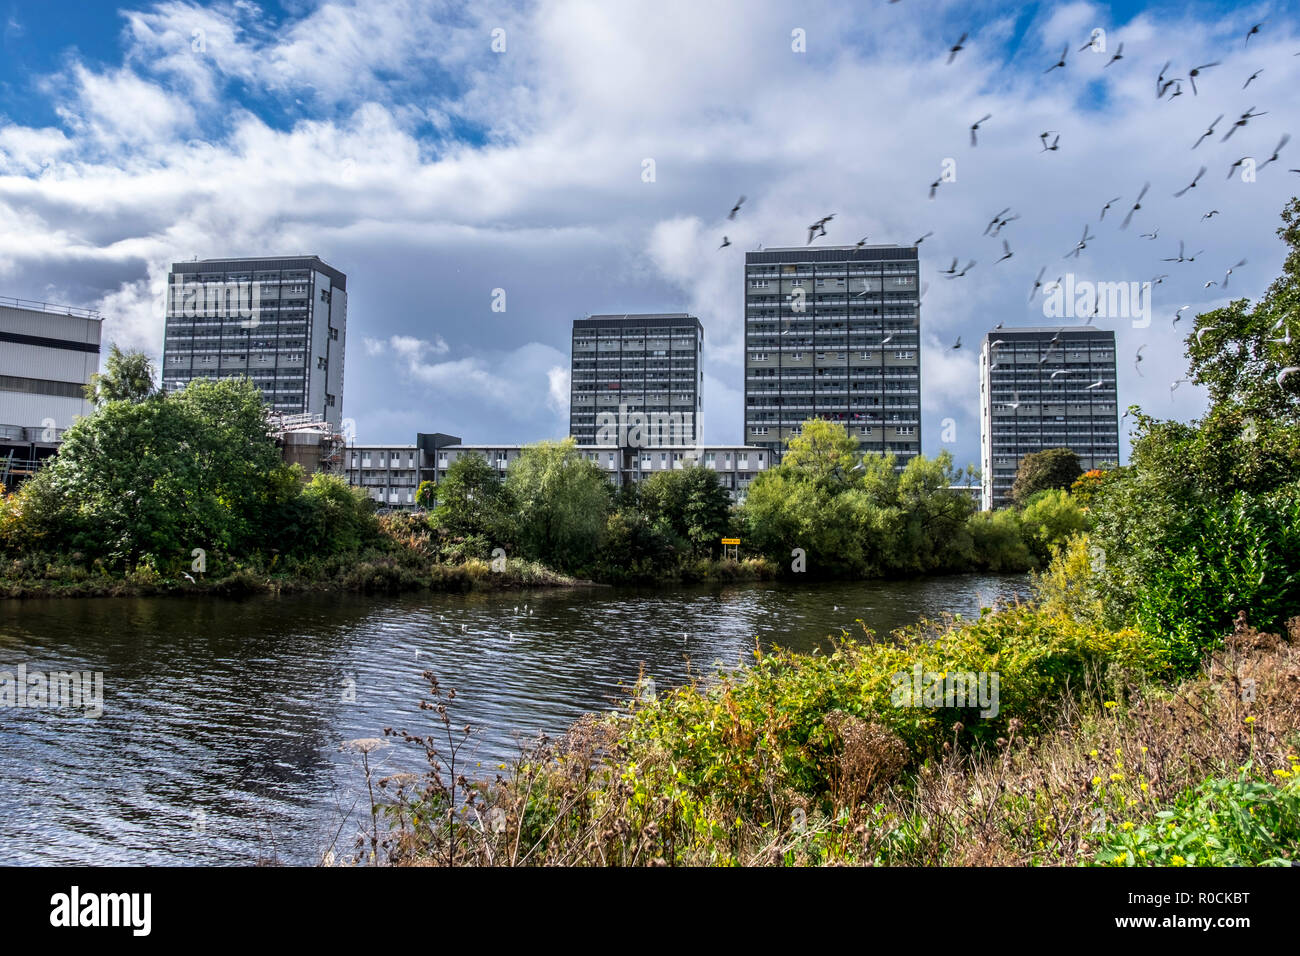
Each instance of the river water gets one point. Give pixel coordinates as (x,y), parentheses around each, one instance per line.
(222,725)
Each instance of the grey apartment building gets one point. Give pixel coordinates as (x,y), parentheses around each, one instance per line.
(391,474)
(636,365)
(47,355)
(833,332)
(282,322)
(1045,388)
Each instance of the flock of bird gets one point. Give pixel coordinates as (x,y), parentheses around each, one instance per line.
(1165,85)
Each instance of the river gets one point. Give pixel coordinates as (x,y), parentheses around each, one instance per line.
(222,725)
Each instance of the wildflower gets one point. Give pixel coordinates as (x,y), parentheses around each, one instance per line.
(1116,777)
(1092,753)
(1109,704)
(1142,787)
(1144,749)
(1284,774)
(1096,781)
(1126,825)
(1250,720)
(1177,860)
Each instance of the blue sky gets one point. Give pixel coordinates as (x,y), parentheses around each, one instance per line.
(389,138)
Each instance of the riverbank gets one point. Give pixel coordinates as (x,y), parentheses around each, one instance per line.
(1088,753)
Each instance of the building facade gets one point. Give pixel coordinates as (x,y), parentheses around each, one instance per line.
(48,354)
(834,333)
(1044,388)
(638,371)
(281,322)
(391,474)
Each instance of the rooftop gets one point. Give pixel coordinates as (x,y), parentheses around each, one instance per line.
(48,307)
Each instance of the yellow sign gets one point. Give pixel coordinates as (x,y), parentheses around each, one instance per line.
(731,541)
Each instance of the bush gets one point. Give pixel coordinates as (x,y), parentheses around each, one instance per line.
(1221,822)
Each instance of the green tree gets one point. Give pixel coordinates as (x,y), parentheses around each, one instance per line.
(563,501)
(823,452)
(167,474)
(473,502)
(691,504)
(127,377)
(1041,470)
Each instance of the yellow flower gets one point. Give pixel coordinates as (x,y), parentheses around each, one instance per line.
(1178,860)
(1096,781)
(1126,825)
(1144,749)
(1116,777)
(1092,753)
(1250,720)
(1109,704)
(1284,774)
(1143,788)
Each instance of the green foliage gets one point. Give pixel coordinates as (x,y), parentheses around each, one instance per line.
(775,724)
(426,494)
(1044,470)
(127,377)
(1221,822)
(689,505)
(1050,517)
(563,501)
(472,501)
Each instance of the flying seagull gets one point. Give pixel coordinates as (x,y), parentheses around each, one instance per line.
(1196,71)
(1109,202)
(1208,132)
(1229,272)
(956,48)
(725,242)
(1136,206)
(1060,63)
(976,125)
(1245,118)
(1251,77)
(1286,138)
(1192,184)
(736,208)
(1006,251)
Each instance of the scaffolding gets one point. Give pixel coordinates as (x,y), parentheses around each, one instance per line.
(309,440)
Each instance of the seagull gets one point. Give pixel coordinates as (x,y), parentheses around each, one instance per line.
(1209,132)
(1251,32)
(861,242)
(1245,118)
(965,269)
(923,238)
(1080,245)
(736,208)
(725,242)
(933,186)
(186,576)
(1192,184)
(1063,371)
(997,218)
(1200,333)
(818,228)
(1136,206)
(1208,284)
(1059,64)
(1109,202)
(1181,257)
(1161,86)
(1286,138)
(956,48)
(1119,55)
(1006,252)
(1151,235)
(957,344)
(1251,77)
(1014,404)
(951,270)
(1283,375)
(1233,168)
(1178,89)
(1229,272)
(1173,387)
(1160,279)
(1178,315)
(1196,71)
(1038,282)
(1097,384)
(1056,144)
(1137,358)
(976,125)
(1210,215)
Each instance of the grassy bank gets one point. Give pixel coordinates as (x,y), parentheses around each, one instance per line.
(1097,754)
